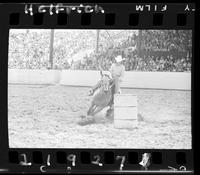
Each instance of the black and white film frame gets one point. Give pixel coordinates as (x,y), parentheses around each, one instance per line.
(79,16)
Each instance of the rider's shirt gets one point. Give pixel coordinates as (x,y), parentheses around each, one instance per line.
(117,71)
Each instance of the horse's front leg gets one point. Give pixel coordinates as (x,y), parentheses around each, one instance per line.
(91,109)
(98,109)
(94,88)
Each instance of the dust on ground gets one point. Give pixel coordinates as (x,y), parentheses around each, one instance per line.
(42,116)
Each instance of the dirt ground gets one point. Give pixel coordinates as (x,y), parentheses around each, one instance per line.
(42,116)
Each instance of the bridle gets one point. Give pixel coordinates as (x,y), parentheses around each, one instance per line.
(107,84)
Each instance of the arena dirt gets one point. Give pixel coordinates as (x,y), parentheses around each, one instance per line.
(46,117)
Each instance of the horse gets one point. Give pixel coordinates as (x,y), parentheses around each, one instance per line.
(103,96)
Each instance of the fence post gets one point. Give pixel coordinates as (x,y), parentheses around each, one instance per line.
(97,42)
(139,43)
(51,48)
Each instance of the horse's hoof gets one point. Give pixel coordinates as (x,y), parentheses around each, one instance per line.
(110,114)
(140,117)
(81,123)
(86,121)
(83,116)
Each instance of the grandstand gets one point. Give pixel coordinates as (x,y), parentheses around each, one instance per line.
(144,50)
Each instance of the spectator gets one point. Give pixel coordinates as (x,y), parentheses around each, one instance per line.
(163,42)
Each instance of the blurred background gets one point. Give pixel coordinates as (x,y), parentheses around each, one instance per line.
(144,50)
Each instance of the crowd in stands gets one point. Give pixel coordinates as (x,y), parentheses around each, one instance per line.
(132,63)
(152,41)
(167,40)
(159,54)
(149,63)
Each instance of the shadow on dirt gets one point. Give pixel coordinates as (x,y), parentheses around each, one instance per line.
(102,117)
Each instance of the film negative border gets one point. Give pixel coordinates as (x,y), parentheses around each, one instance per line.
(65,160)
(108,16)
(115,16)
(86,20)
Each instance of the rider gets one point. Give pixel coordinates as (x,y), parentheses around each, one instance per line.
(117,72)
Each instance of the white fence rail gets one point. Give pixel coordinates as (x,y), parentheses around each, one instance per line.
(132,79)
(27,76)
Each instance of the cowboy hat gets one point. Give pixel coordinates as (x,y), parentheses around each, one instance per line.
(119,58)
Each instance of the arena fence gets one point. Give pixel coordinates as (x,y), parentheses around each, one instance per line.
(132,79)
(33,76)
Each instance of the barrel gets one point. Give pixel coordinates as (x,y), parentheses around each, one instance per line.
(125,111)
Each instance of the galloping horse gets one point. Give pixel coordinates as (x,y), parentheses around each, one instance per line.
(103,93)
(103,97)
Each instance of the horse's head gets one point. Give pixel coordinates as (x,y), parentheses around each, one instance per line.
(106,81)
